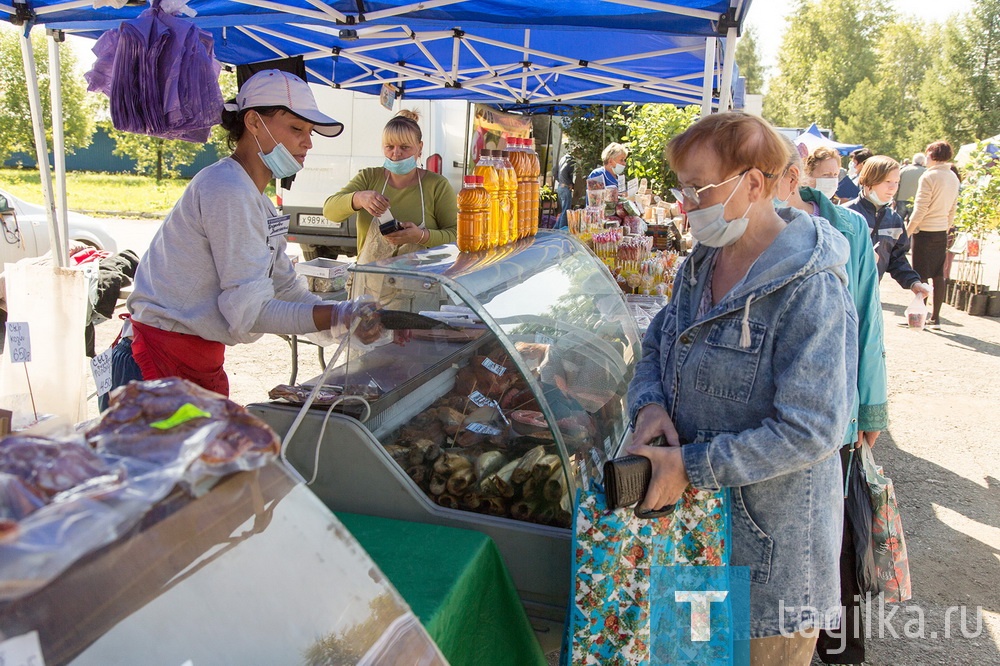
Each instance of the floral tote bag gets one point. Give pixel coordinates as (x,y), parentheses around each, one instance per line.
(615,559)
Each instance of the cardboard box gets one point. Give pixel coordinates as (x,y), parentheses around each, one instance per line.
(322,268)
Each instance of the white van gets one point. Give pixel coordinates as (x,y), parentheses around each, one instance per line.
(332,163)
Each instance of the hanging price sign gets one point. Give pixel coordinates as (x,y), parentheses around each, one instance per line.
(18,341)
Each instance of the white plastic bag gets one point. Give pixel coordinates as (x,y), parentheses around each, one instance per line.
(916,312)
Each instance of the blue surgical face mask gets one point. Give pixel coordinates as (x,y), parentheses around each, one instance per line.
(280,161)
(710,227)
(619,169)
(402,167)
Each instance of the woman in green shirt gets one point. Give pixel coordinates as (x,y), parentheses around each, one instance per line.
(422,201)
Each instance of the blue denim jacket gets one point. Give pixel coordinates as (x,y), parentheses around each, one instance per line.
(763,388)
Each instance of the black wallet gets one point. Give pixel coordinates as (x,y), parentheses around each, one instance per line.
(626,480)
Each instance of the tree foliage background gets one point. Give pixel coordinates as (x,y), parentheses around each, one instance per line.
(892,83)
(16,132)
(644,128)
(748,61)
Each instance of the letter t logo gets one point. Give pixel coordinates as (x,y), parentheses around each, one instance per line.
(701,612)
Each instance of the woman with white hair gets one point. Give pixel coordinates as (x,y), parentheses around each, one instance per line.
(613,156)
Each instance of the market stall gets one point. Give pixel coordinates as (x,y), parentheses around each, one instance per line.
(543,311)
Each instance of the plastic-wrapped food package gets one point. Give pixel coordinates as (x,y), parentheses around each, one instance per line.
(61,498)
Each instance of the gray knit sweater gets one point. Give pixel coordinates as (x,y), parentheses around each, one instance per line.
(212,271)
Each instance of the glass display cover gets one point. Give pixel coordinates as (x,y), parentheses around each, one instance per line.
(511,392)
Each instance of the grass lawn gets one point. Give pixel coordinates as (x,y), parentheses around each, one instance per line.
(120,195)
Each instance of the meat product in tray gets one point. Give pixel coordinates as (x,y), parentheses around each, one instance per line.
(161,420)
(63,498)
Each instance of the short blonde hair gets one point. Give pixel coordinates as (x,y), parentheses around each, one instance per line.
(876,169)
(613,150)
(741,141)
(403,128)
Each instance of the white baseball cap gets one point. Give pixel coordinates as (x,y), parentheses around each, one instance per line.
(273,87)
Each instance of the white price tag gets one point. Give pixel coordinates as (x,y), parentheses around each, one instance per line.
(100,366)
(23,650)
(481,400)
(494,367)
(483,429)
(18,341)
(543,339)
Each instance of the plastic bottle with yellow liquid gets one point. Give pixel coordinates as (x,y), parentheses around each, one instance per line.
(473,212)
(508,185)
(520,159)
(534,171)
(491,181)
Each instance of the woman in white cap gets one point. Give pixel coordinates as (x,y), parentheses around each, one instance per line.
(216,272)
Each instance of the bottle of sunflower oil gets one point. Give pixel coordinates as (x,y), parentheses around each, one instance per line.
(491,181)
(508,207)
(534,171)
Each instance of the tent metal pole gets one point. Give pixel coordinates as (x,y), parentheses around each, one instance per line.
(58,139)
(41,147)
(709,77)
(728,64)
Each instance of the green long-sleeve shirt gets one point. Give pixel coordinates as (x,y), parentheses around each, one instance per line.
(440,204)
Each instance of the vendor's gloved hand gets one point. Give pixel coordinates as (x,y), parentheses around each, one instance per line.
(363,311)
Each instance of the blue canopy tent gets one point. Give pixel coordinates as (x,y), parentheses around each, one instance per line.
(812,138)
(498,51)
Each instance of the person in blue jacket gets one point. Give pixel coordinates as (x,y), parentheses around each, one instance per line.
(760,310)
(869,415)
(613,156)
(879,180)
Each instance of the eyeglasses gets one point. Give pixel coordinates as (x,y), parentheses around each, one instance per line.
(690,196)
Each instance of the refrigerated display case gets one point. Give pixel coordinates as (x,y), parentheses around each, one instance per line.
(491,420)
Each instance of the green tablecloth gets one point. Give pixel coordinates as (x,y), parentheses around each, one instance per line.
(456,583)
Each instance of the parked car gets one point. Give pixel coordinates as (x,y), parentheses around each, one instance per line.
(26,230)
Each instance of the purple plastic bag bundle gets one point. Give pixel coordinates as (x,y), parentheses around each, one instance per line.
(160,73)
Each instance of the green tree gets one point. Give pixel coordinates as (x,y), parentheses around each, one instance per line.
(828,49)
(881,113)
(871,116)
(961,92)
(16,132)
(160,158)
(945,94)
(979,200)
(983,38)
(648,130)
(748,61)
(589,129)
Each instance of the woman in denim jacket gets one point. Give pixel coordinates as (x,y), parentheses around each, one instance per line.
(754,362)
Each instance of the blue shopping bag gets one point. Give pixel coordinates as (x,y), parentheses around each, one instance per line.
(627,572)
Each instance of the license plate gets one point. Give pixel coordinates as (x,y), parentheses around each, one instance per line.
(317,221)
